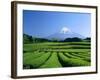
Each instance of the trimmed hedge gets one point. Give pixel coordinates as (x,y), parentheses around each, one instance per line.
(35,63)
(68,62)
(52,62)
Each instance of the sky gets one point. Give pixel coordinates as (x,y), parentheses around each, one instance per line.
(46,23)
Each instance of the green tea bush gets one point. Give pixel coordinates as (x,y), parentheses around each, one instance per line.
(52,62)
(35,63)
(68,62)
(84,57)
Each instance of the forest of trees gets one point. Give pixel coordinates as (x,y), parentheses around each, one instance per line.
(30,39)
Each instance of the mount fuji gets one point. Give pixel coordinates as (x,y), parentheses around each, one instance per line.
(63,34)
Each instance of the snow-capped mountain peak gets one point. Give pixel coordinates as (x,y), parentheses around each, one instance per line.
(64,30)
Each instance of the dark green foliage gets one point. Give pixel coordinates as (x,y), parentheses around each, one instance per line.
(27,39)
(75,39)
(88,39)
(68,40)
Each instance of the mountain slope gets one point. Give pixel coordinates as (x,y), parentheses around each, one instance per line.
(62,36)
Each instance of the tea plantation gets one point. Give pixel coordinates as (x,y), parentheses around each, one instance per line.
(56,55)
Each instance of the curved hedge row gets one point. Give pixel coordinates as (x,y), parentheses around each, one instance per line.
(68,62)
(35,63)
(87,58)
(32,55)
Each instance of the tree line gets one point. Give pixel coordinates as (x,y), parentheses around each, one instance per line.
(30,39)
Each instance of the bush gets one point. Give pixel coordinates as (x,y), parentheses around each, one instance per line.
(71,62)
(52,62)
(35,63)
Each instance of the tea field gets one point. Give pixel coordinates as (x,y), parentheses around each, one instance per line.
(56,55)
